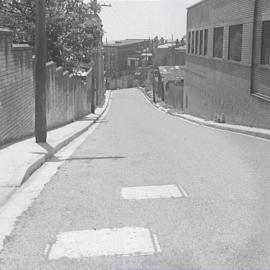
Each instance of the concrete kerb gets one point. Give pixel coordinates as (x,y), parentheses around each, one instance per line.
(38,163)
(250,131)
(5,194)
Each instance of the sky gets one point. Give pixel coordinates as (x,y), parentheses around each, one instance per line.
(144,18)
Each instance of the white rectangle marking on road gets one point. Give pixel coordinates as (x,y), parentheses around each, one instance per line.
(158,248)
(151,192)
(183,191)
(127,241)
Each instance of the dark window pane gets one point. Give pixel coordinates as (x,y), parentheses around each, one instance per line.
(205,41)
(192,43)
(218,42)
(197,42)
(201,43)
(266,43)
(189,41)
(235,42)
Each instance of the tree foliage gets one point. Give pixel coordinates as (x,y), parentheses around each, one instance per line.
(73,28)
(183,41)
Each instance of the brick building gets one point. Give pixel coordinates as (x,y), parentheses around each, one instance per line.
(228,61)
(123,55)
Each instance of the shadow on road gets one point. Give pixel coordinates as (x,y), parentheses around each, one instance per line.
(48,148)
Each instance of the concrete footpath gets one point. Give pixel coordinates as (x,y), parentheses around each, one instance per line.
(251,131)
(19,160)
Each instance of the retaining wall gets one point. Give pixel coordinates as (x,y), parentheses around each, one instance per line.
(16,89)
(69,97)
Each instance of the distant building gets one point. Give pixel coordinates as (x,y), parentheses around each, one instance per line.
(146,58)
(123,55)
(228,61)
(168,55)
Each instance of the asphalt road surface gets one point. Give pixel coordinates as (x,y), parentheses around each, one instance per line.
(148,191)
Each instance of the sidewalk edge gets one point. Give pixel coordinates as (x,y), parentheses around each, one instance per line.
(38,163)
(250,131)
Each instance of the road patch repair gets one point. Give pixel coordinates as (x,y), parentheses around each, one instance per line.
(127,241)
(153,192)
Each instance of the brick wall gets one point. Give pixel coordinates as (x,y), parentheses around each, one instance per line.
(68,97)
(160,56)
(173,94)
(121,83)
(170,56)
(16,89)
(215,86)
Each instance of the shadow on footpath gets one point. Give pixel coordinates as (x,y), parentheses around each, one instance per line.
(56,159)
(97,121)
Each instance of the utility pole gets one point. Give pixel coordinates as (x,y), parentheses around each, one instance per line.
(153,73)
(97,55)
(40,74)
(102,5)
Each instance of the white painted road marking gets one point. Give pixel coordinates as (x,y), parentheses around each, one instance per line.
(182,190)
(157,245)
(127,241)
(151,192)
(26,194)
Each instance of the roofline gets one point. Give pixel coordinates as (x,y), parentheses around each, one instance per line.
(194,5)
(5,30)
(135,41)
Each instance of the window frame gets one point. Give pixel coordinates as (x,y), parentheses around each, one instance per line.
(197,42)
(263,60)
(205,42)
(218,52)
(231,55)
(192,42)
(201,42)
(189,42)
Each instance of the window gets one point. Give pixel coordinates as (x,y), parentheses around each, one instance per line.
(189,41)
(235,42)
(192,43)
(201,43)
(205,49)
(197,42)
(218,42)
(265,57)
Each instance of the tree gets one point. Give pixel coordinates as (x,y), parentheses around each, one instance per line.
(162,40)
(155,42)
(177,43)
(73,28)
(183,41)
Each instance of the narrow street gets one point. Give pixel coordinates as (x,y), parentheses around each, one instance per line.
(148,191)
